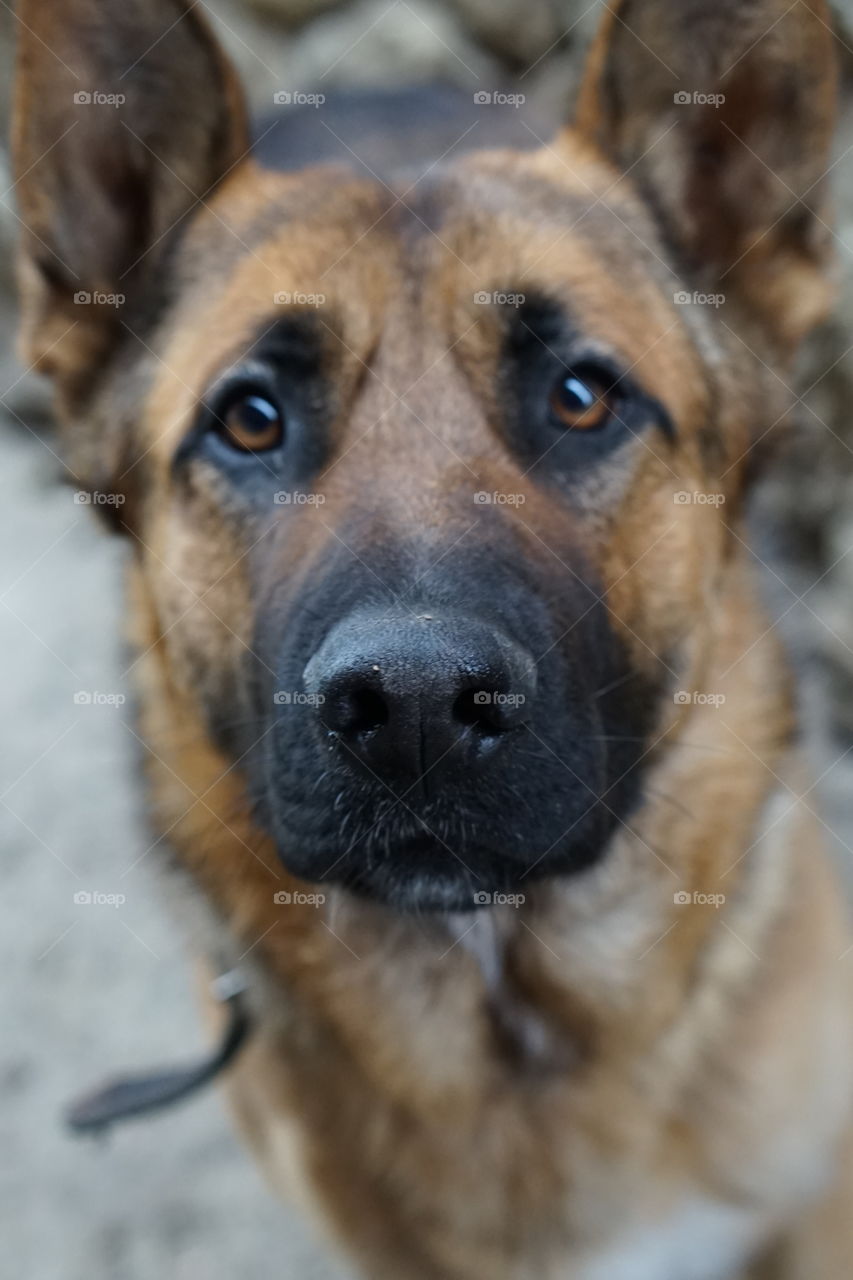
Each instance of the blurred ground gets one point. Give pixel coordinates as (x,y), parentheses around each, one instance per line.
(88,988)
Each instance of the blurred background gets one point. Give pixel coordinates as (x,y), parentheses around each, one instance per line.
(90,988)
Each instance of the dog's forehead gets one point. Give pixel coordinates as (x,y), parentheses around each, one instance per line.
(434,256)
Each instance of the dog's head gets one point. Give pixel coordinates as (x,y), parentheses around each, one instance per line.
(432,482)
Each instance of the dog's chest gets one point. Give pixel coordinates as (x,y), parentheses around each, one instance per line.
(703,1239)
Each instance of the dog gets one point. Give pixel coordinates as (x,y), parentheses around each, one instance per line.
(465,723)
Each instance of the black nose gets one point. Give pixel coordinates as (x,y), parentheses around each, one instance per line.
(405,694)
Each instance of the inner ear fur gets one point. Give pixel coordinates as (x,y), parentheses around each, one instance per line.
(723,111)
(125,117)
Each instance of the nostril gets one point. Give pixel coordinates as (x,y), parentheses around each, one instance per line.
(355,711)
(486,711)
(402,697)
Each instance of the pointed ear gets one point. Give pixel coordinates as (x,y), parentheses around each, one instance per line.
(125,117)
(723,111)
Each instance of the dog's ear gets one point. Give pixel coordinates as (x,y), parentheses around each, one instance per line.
(125,116)
(722,111)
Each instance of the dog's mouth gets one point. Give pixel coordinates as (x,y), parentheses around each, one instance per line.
(424,872)
(432,888)
(443,863)
(427,875)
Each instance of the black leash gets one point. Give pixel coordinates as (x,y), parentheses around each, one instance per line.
(131,1096)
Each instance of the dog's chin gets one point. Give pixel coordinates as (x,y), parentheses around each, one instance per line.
(418,892)
(427,877)
(412,878)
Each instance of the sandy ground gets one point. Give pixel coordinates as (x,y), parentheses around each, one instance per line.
(89,988)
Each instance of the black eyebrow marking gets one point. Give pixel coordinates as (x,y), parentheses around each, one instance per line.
(543,330)
(297,337)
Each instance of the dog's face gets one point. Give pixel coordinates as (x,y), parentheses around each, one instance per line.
(426,498)
(431,483)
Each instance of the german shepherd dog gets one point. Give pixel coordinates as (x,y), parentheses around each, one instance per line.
(463,716)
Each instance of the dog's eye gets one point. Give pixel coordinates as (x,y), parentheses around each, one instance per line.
(581,400)
(250,422)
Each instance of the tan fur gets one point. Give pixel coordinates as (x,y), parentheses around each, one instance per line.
(602,1069)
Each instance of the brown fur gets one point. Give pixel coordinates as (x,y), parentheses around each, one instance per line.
(628,1053)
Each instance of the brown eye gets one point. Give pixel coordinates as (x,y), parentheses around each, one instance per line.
(251,423)
(581,401)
